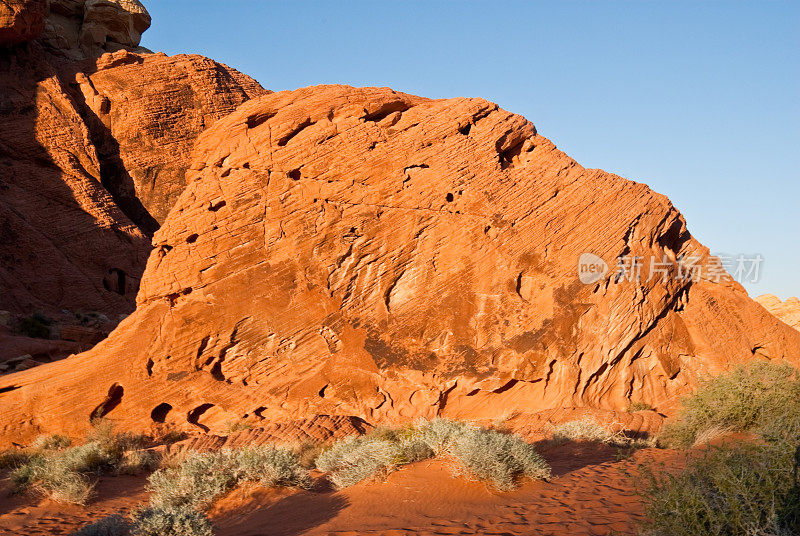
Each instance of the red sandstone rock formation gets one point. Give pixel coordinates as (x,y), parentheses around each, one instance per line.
(787,311)
(21,20)
(370,253)
(93,150)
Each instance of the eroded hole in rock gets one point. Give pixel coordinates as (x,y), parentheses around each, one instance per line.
(213,207)
(150,364)
(258,119)
(115,281)
(259,412)
(465,129)
(449,197)
(159,413)
(386,110)
(506,387)
(112,400)
(193,416)
(322,391)
(294,174)
(294,132)
(8,389)
(192,238)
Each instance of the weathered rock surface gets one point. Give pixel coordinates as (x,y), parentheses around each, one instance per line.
(370,253)
(21,20)
(319,428)
(93,151)
(787,311)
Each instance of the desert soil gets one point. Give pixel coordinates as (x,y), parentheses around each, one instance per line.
(592,493)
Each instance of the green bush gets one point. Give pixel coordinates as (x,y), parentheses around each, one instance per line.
(170,521)
(202,477)
(749,489)
(114,525)
(761,397)
(486,454)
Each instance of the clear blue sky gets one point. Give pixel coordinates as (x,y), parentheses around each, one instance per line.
(700,100)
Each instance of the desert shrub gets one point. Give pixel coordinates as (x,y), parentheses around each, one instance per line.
(749,489)
(170,521)
(65,473)
(114,525)
(51,442)
(639,406)
(356,458)
(135,462)
(202,477)
(762,397)
(486,454)
(590,430)
(497,457)
(36,326)
(307,453)
(13,458)
(62,475)
(196,482)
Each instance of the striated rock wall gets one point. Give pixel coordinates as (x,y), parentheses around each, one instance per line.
(364,252)
(93,150)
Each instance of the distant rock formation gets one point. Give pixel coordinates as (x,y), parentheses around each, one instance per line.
(363,252)
(788,311)
(94,143)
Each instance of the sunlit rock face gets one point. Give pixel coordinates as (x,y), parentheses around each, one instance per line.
(363,252)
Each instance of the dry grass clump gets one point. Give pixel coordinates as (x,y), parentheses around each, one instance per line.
(639,406)
(762,397)
(170,521)
(589,430)
(66,473)
(202,477)
(485,454)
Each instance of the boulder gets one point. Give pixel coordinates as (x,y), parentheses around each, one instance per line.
(364,252)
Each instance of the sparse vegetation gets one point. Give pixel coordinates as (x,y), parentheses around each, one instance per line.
(749,488)
(639,406)
(65,473)
(761,397)
(485,454)
(170,521)
(202,477)
(590,430)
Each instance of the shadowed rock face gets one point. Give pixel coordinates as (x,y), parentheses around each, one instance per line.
(21,20)
(93,150)
(370,253)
